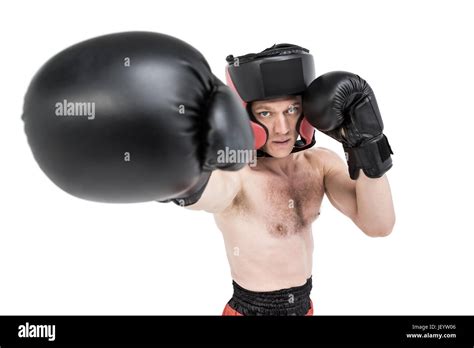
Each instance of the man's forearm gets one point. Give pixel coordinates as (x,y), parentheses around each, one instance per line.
(220,191)
(375,211)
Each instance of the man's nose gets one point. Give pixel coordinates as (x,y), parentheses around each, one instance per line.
(281,125)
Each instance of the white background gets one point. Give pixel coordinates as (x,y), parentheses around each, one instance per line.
(63,255)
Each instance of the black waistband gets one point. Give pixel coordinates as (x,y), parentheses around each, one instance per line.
(291,301)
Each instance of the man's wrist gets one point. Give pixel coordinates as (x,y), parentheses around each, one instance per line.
(373,157)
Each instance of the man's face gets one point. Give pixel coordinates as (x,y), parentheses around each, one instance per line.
(280,117)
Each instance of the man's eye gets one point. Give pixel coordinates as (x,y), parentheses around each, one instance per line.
(264,114)
(292,109)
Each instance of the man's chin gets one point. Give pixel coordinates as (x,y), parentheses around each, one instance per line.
(278,153)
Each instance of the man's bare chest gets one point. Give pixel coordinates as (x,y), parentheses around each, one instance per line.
(286,205)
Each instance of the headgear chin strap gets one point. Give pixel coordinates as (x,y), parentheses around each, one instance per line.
(276,72)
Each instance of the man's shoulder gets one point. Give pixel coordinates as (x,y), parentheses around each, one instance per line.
(321,154)
(325,159)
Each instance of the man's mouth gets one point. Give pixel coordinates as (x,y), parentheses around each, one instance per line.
(282,142)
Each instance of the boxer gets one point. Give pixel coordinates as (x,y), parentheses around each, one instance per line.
(139,116)
(267,211)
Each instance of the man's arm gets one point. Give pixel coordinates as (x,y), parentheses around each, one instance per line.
(366,201)
(220,191)
(343,106)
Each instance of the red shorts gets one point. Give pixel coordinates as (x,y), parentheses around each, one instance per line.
(229,311)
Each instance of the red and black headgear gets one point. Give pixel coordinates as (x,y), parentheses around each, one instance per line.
(278,71)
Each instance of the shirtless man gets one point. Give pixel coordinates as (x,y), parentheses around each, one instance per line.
(139,116)
(265,212)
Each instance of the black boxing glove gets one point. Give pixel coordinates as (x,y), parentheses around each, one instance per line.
(132,117)
(343,106)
